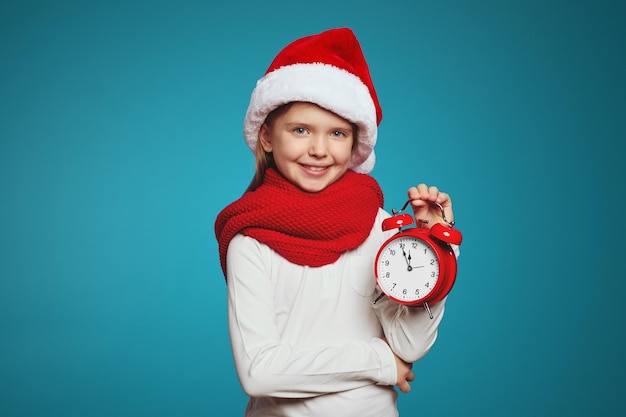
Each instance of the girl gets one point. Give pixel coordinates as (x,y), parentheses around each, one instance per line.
(298,248)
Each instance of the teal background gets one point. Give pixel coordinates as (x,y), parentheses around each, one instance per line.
(120,141)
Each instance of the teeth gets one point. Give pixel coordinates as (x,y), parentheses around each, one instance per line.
(317,168)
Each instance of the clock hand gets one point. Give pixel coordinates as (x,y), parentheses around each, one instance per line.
(408,260)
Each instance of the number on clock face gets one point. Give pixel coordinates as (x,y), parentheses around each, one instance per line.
(408,269)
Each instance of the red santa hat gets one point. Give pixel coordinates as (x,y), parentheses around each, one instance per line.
(327,69)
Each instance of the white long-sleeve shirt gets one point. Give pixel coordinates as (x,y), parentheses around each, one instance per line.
(307,341)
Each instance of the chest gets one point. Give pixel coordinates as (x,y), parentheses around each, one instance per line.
(331,303)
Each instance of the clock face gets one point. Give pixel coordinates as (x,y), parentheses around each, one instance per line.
(407,269)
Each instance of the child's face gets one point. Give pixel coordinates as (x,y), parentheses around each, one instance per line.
(311,146)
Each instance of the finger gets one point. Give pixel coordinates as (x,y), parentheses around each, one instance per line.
(433,193)
(443,198)
(418,192)
(446,203)
(410,377)
(423,191)
(404,386)
(418,196)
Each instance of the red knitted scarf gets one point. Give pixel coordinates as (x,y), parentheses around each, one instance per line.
(311,229)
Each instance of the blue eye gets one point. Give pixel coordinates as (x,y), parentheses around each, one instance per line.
(300,130)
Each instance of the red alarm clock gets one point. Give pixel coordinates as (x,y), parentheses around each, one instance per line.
(417,265)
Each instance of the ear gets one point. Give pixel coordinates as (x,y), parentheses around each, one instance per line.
(264,138)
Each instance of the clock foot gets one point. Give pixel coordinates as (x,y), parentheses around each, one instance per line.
(382,294)
(427,308)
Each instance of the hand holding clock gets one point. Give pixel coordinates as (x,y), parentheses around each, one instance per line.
(421,198)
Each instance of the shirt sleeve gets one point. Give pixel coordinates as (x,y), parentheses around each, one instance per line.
(266,366)
(409,330)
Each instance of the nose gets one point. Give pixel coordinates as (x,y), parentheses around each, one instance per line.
(318,146)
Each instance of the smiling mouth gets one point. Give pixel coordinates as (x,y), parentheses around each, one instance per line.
(315,168)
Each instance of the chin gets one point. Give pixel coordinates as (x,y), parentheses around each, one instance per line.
(312,188)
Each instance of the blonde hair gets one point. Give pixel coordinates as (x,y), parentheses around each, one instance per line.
(265,160)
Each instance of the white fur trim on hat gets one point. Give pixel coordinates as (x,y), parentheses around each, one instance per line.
(327,86)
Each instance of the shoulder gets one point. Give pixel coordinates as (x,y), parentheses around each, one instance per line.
(241,247)
(245,253)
